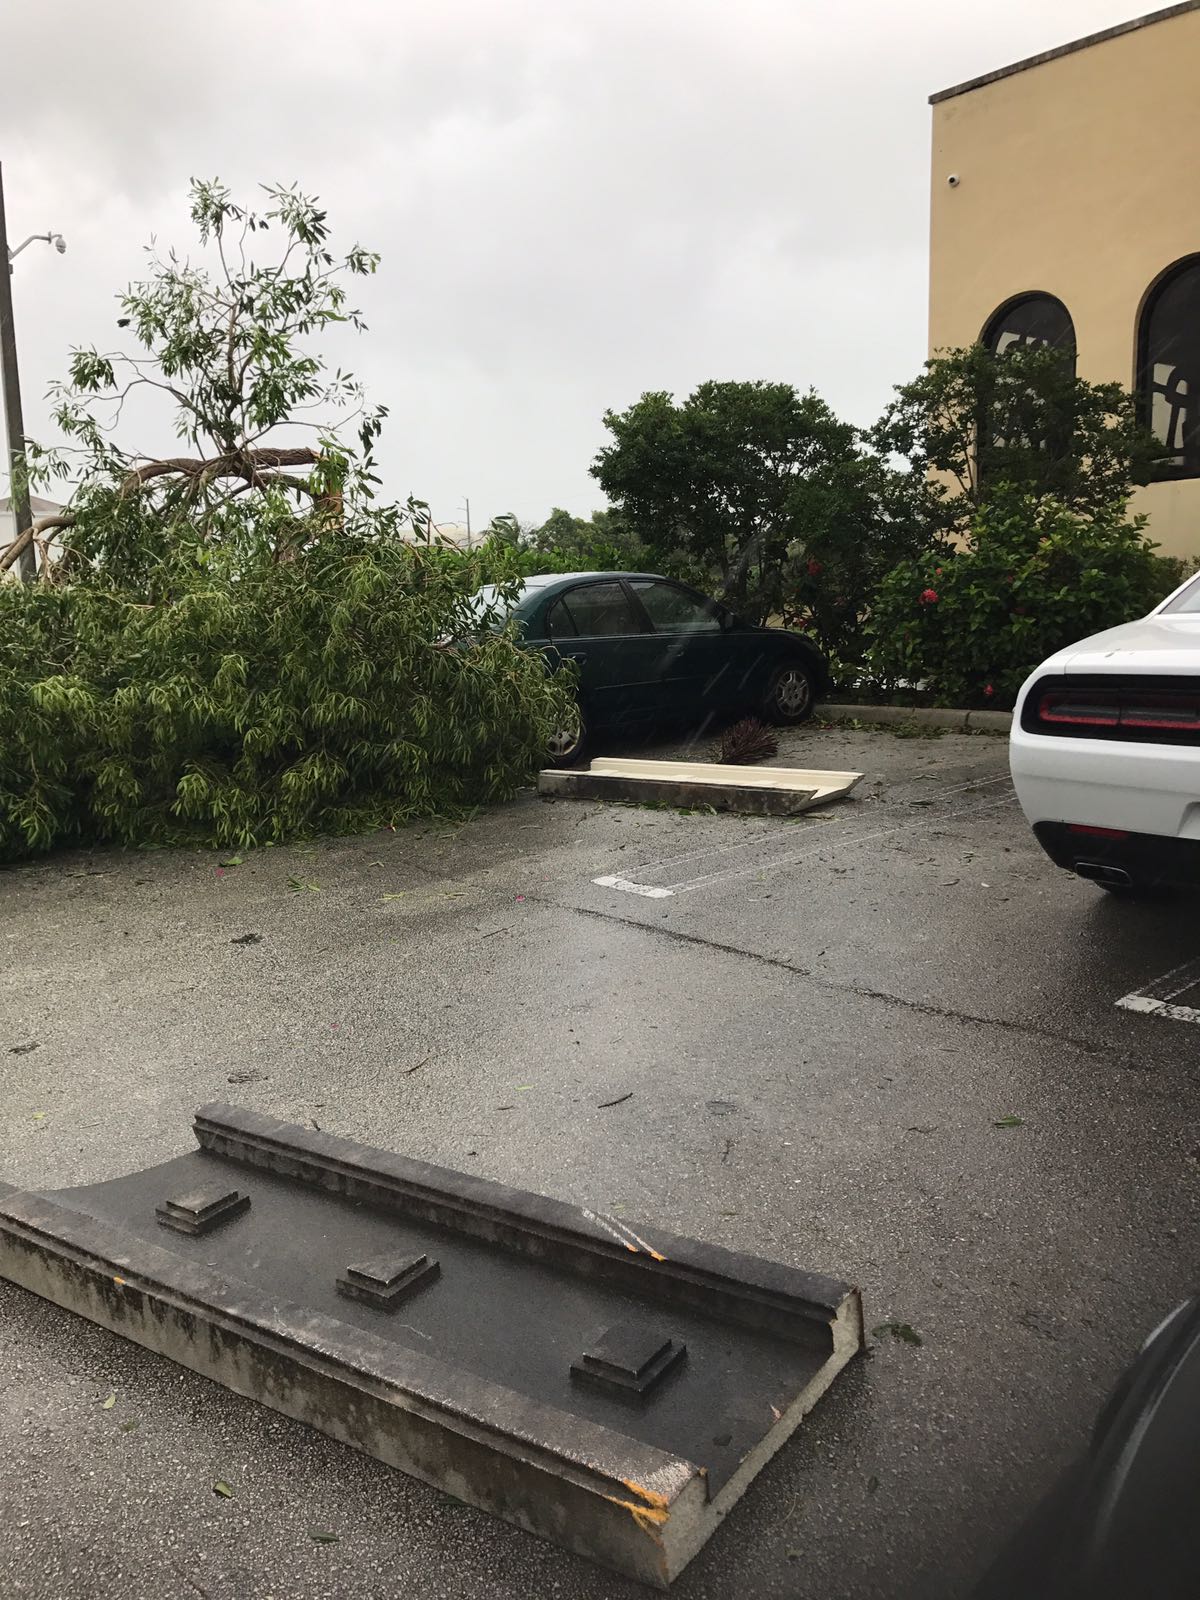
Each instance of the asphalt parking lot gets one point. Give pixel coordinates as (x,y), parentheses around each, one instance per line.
(818,1028)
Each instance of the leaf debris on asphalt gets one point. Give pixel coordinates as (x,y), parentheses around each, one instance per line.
(621,1098)
(247,938)
(107,1405)
(320,1536)
(222,1488)
(1009,1122)
(23,1049)
(902,1331)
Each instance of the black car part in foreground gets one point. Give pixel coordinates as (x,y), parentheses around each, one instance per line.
(1123,1522)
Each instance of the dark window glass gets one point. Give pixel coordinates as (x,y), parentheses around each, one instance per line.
(558,622)
(1169,369)
(672,610)
(602,608)
(1034,319)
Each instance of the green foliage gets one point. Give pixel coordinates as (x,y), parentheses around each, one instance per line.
(308,697)
(760,495)
(723,481)
(854,522)
(974,424)
(599,543)
(970,624)
(229,651)
(224,343)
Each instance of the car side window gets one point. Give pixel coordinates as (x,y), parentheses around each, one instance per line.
(673,610)
(600,609)
(558,622)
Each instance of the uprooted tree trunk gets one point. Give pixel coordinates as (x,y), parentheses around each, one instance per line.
(259,469)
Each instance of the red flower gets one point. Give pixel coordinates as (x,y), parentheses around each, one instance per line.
(937,572)
(814,567)
(929,597)
(988,690)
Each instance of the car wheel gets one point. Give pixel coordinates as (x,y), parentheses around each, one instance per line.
(568,744)
(791,694)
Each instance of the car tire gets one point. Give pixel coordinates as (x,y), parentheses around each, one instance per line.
(569,746)
(791,694)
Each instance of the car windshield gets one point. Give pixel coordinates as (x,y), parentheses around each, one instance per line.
(1188,599)
(492,606)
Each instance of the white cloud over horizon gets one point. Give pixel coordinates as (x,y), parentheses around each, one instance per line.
(575,201)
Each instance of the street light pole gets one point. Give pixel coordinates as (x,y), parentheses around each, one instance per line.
(13,419)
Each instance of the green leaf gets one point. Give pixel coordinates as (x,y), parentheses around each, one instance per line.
(233,861)
(1009,1122)
(319,1536)
(222,1488)
(904,1332)
(108,1404)
(128,1427)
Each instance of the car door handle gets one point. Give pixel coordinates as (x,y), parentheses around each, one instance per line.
(576,655)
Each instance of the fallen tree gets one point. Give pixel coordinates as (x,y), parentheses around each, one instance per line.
(235,644)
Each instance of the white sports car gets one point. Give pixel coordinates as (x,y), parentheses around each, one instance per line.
(1105,750)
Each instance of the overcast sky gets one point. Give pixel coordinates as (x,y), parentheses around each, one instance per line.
(576,200)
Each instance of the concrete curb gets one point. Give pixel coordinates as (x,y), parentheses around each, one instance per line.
(923,716)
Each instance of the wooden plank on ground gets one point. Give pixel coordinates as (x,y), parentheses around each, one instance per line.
(756,791)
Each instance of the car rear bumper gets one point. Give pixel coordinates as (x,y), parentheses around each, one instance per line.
(1142,788)
(1141,858)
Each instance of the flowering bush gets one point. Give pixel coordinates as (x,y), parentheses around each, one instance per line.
(969,625)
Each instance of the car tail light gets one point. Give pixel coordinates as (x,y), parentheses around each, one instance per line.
(1116,711)
(1079,708)
(1180,713)
(1097,833)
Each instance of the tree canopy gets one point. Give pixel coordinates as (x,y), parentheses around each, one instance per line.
(972,423)
(744,481)
(227,344)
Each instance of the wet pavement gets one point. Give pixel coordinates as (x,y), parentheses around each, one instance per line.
(818,1029)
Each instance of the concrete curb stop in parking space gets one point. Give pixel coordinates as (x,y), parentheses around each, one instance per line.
(922,716)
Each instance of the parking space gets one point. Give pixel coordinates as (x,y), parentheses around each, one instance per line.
(883,1042)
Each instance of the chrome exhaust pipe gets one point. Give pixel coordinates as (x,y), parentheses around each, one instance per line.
(1101,872)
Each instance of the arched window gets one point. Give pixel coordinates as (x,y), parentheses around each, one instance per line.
(1031,319)
(1169,367)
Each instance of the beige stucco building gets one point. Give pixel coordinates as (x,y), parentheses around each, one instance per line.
(1066,209)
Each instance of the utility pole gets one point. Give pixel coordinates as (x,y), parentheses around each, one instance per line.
(13,420)
(467,503)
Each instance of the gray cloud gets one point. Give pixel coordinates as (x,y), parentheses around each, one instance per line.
(576,200)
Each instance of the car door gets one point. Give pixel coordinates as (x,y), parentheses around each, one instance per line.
(613,648)
(696,668)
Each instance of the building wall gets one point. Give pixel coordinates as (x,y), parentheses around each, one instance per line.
(1078,176)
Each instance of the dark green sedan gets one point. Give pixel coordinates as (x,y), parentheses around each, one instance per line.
(651,651)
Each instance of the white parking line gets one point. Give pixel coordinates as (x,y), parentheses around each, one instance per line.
(788,830)
(650,890)
(845,841)
(1157,999)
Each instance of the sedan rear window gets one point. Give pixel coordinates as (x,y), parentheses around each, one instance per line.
(673,610)
(598,609)
(492,606)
